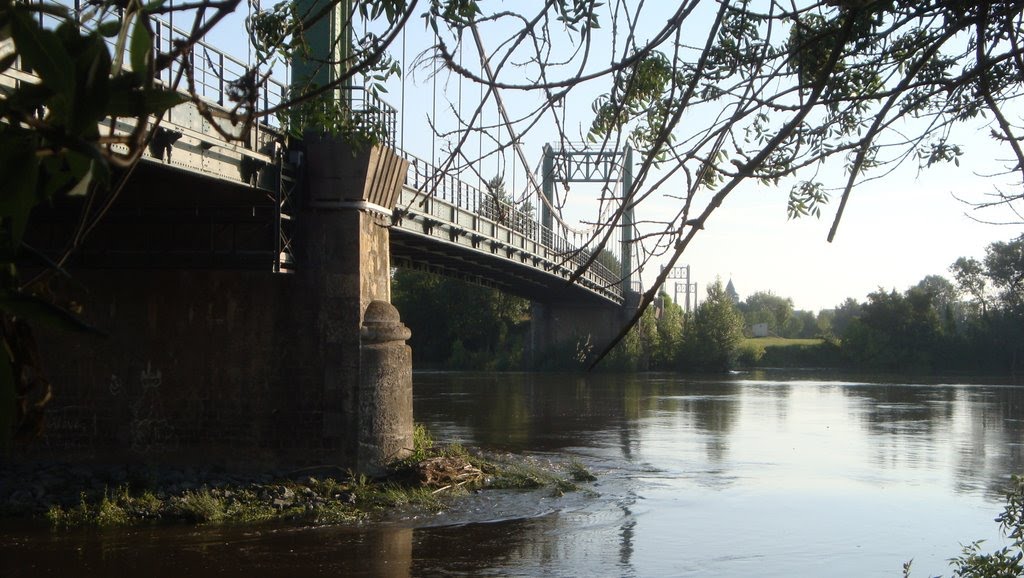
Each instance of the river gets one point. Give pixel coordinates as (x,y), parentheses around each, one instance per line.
(751,474)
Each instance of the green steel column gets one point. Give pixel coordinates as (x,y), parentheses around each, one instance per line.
(627,222)
(548,190)
(329,39)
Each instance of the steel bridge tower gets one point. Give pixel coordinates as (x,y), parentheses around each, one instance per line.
(586,329)
(593,166)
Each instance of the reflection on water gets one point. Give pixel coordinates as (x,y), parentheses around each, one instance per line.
(976,430)
(209,551)
(804,472)
(755,474)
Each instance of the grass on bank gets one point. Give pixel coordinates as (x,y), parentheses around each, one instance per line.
(783,352)
(779,341)
(431,477)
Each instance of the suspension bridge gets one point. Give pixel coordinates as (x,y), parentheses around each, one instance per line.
(240,270)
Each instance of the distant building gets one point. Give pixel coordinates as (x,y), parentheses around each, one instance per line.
(759,330)
(730,290)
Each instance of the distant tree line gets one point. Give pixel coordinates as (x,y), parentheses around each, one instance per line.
(974,322)
(971,322)
(780,317)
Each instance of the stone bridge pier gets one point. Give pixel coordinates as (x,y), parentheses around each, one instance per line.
(568,334)
(346,268)
(203,363)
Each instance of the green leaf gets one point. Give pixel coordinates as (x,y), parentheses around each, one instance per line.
(153,6)
(143,102)
(68,173)
(82,167)
(42,51)
(93,68)
(141,45)
(125,81)
(32,308)
(27,97)
(57,11)
(55,176)
(109,29)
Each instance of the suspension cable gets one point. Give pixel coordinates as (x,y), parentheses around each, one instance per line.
(556,213)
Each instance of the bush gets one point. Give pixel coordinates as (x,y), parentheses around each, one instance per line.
(712,336)
(750,354)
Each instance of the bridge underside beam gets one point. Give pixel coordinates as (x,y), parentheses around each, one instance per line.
(437,231)
(455,264)
(518,276)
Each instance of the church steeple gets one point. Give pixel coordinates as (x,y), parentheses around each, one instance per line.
(730,290)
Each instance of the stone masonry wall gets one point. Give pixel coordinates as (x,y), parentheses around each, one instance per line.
(190,362)
(244,368)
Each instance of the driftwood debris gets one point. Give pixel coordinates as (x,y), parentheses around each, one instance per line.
(446,472)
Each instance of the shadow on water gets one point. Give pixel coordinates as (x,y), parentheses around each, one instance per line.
(210,551)
(381,549)
(532,412)
(553,413)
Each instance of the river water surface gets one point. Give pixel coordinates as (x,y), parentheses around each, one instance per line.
(752,474)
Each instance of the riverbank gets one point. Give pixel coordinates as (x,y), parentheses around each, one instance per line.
(79,495)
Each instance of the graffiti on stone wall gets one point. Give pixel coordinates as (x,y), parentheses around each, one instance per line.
(150,379)
(149,429)
(70,427)
(116,388)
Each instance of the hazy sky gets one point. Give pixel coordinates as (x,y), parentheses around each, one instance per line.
(893,234)
(895,231)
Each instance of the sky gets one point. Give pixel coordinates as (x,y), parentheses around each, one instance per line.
(893,234)
(895,231)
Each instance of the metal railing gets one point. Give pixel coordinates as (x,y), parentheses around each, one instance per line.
(423,176)
(373,115)
(215,74)
(217,77)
